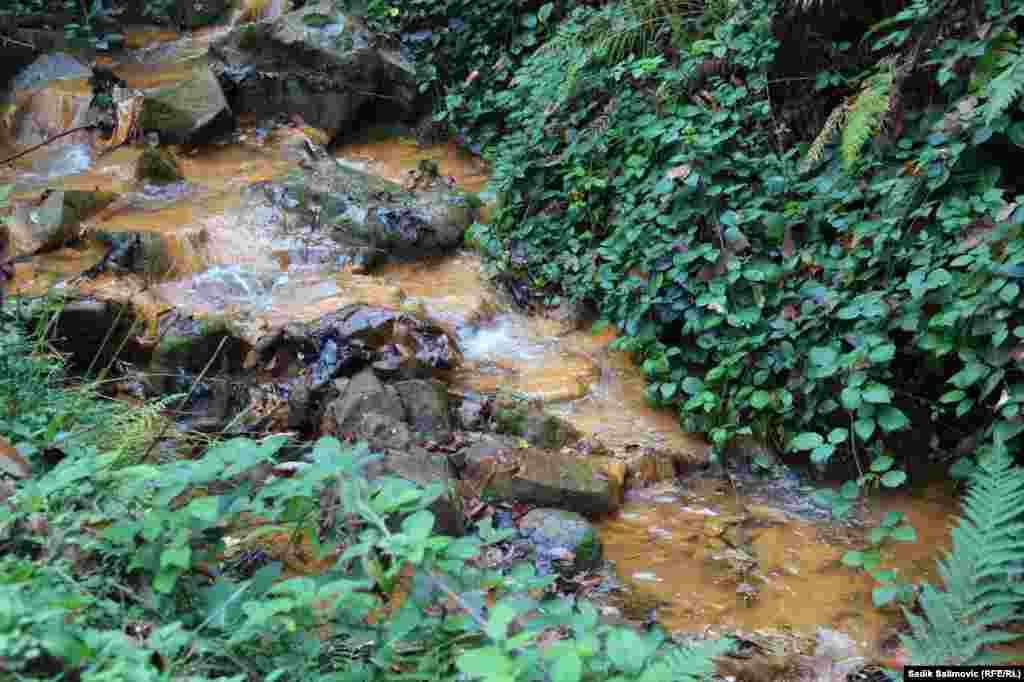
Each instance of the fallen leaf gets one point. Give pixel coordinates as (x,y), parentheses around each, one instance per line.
(12,462)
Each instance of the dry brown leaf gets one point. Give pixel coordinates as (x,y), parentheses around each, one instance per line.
(11,461)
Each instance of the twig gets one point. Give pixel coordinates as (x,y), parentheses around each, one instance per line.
(184,400)
(7,40)
(52,139)
(110,332)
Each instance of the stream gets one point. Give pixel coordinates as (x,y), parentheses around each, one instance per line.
(680,541)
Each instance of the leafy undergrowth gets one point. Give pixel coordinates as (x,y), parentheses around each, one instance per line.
(845,287)
(121,566)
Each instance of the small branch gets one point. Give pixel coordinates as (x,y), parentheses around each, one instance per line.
(184,400)
(7,40)
(52,139)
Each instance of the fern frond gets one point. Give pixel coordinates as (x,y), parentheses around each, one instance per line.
(865,114)
(833,123)
(1004,89)
(979,593)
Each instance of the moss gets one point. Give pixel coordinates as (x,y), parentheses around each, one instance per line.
(510,420)
(249,38)
(588,551)
(158,115)
(157,167)
(316,20)
(81,204)
(472,200)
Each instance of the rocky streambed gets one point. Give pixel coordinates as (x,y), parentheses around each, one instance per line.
(304,265)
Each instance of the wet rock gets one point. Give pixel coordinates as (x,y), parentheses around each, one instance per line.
(374,327)
(562,536)
(748,454)
(323,68)
(91,331)
(473,412)
(336,357)
(362,395)
(391,363)
(426,408)
(368,218)
(53,220)
(530,422)
(157,167)
(187,345)
(300,408)
(382,431)
(186,112)
(540,477)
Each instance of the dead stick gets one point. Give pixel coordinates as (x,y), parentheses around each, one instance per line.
(184,400)
(52,139)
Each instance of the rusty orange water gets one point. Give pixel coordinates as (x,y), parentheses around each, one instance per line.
(395,158)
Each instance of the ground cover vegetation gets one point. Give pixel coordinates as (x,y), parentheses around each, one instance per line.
(121,564)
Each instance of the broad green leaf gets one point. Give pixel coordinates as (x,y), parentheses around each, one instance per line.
(822,453)
(969,375)
(894,479)
(904,534)
(838,436)
(883,463)
(567,668)
(497,622)
(806,441)
(419,524)
(823,356)
(891,419)
(853,559)
(883,353)
(864,428)
(885,594)
(760,399)
(850,397)
(877,393)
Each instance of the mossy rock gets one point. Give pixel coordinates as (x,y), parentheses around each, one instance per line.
(533,424)
(157,167)
(160,116)
(549,529)
(81,204)
(183,111)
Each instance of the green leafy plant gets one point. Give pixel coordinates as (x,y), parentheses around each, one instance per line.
(959,623)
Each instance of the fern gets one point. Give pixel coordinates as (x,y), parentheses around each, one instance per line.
(1004,89)
(958,624)
(633,27)
(835,121)
(865,114)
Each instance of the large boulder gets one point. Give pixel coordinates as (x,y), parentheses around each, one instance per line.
(368,217)
(188,111)
(323,67)
(426,408)
(363,398)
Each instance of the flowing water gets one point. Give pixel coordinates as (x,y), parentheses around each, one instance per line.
(713,556)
